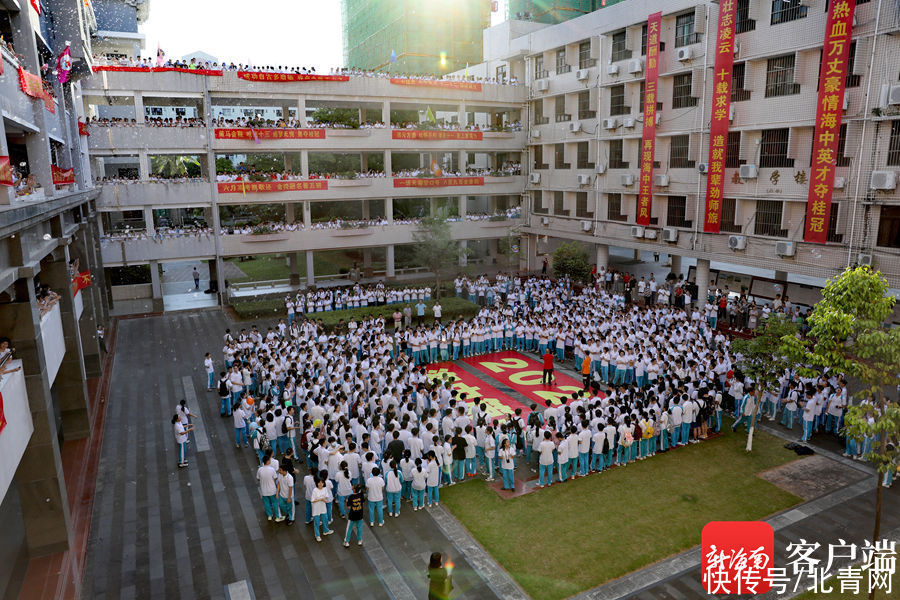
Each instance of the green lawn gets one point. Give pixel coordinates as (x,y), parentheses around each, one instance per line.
(568,538)
(269,267)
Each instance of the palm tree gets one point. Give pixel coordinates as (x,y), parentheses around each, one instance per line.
(173,164)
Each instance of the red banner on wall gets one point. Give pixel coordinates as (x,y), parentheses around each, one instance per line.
(426,134)
(83,128)
(469,86)
(289,77)
(81,281)
(422,182)
(718,125)
(244,133)
(832,76)
(648,137)
(31,84)
(256,187)
(208,72)
(62,176)
(49,102)
(5,171)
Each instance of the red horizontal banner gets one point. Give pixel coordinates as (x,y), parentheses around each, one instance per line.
(289,77)
(62,176)
(469,86)
(426,134)
(524,376)
(425,182)
(30,84)
(245,133)
(208,72)
(499,405)
(49,102)
(256,187)
(5,171)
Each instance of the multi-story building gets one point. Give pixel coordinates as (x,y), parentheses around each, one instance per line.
(47,235)
(552,12)
(586,86)
(426,37)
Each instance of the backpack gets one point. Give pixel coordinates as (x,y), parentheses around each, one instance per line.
(627,439)
(263,441)
(284,426)
(254,433)
(638,434)
(223,388)
(648,432)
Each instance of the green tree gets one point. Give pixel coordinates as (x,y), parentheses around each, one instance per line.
(762,358)
(171,165)
(435,249)
(571,259)
(848,334)
(348,117)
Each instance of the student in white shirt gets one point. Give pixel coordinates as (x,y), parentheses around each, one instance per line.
(181,437)
(210,372)
(319,501)
(286,495)
(267,477)
(507,455)
(434,477)
(547,449)
(393,487)
(375,497)
(419,477)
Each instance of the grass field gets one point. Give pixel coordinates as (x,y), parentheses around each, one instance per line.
(568,538)
(273,308)
(269,267)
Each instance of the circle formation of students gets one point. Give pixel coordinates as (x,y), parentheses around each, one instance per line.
(356,407)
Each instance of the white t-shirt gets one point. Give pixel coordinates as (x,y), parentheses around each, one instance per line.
(267,477)
(375,488)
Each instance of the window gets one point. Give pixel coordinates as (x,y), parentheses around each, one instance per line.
(833,235)
(539,72)
(774,148)
(561,114)
(501,73)
(729,212)
(852,80)
(616,154)
(738,77)
(681,91)
(584,56)
(684,30)
(743,22)
(180,111)
(619,51)
(768,218)
(893,157)
(539,158)
(641,102)
(780,76)
(584,106)
(677,208)
(584,156)
(787,10)
(581,206)
(561,157)
(842,160)
(537,204)
(156,111)
(559,204)
(561,65)
(614,208)
(679,149)
(617,100)
(889,227)
(733,150)
(539,118)
(644,40)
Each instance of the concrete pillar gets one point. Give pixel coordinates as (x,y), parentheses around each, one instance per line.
(388,169)
(367,262)
(432,207)
(463,162)
(289,212)
(304,164)
(702,281)
(676,264)
(637,254)
(301,111)
(148,220)
(463,254)
(602,251)
(365,209)
(144,166)
(310,268)
(781,276)
(307,216)
(389,210)
(217,273)
(386,114)
(102,293)
(294,265)
(363,162)
(389,261)
(39,478)
(90,346)
(139,108)
(156,286)
(463,207)
(461,115)
(7,193)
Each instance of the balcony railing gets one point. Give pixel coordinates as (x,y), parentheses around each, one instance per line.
(587,63)
(560,69)
(541,120)
(563,117)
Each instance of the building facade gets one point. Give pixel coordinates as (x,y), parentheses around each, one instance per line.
(551,12)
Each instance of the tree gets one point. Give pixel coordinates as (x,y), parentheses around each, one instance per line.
(175,164)
(571,259)
(348,117)
(508,246)
(436,249)
(848,335)
(762,358)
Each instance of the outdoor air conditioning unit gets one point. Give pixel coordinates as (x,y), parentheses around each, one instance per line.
(785,248)
(657,119)
(702,167)
(637,231)
(584,180)
(627,179)
(635,66)
(863,259)
(839,183)
(883,180)
(661,180)
(650,234)
(574,127)
(612,69)
(545,221)
(534,178)
(536,134)
(747,172)
(542,85)
(601,169)
(737,48)
(731,112)
(586,225)
(669,234)
(683,54)
(737,242)
(846,102)
(582,74)
(609,123)
(628,122)
(893,96)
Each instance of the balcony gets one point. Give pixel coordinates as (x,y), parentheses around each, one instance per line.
(19,425)
(121,196)
(144,250)
(141,137)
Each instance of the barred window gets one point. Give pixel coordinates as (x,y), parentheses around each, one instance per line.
(679,150)
(584,157)
(733,150)
(774,148)
(780,76)
(743,22)
(584,106)
(893,157)
(584,55)
(852,79)
(784,11)
(768,218)
(537,203)
(539,158)
(889,227)
(681,91)
(559,204)
(561,157)
(501,73)
(738,78)
(842,160)
(581,206)
(539,118)
(684,30)
(729,213)
(676,212)
(539,72)
(614,208)
(560,112)
(561,65)
(616,155)
(617,100)
(644,40)
(619,51)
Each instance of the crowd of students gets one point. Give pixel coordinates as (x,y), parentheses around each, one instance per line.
(148,122)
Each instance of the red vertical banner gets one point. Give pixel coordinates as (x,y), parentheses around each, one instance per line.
(6,177)
(718,124)
(832,76)
(648,138)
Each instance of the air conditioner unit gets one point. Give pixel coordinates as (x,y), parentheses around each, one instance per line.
(535,134)
(627,179)
(637,231)
(785,248)
(737,242)
(883,180)
(894,95)
(628,122)
(839,183)
(534,178)
(650,234)
(542,85)
(731,112)
(683,54)
(545,221)
(587,225)
(574,127)
(737,48)
(584,180)
(702,167)
(635,66)
(582,74)
(612,69)
(846,102)
(669,234)
(601,169)
(863,259)
(747,172)
(609,123)
(658,118)
(661,180)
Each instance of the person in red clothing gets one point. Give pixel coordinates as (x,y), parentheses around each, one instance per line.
(547,378)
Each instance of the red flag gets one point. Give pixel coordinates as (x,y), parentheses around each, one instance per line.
(81,281)
(64,65)
(37,5)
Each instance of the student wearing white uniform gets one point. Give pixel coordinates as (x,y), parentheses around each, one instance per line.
(210,372)
(506,465)
(267,477)
(393,487)
(375,497)
(181,437)
(319,500)
(419,477)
